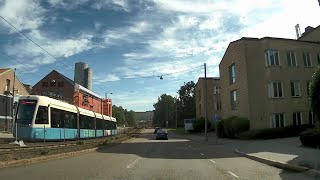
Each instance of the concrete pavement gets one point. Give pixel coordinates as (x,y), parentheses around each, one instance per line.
(147,158)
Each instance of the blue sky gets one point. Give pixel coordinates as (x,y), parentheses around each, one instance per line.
(129,43)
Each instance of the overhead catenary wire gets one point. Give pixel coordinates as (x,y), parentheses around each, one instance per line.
(30,68)
(34,42)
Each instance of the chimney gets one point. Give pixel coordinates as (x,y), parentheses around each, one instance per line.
(298,32)
(308,29)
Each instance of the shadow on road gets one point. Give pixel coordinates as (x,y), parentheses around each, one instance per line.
(175,148)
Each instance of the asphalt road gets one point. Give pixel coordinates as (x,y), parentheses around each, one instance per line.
(147,158)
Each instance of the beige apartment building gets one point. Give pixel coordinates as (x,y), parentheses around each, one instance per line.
(267,79)
(213,98)
(9,85)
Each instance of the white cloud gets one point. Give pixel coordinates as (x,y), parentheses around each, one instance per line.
(66,4)
(114,4)
(106,78)
(59,48)
(24,14)
(126,34)
(97,25)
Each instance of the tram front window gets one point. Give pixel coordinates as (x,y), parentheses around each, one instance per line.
(25,111)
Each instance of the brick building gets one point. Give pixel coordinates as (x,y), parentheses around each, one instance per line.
(57,85)
(8,82)
(267,79)
(213,98)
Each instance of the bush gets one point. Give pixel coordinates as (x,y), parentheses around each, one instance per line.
(272,133)
(198,125)
(232,127)
(311,137)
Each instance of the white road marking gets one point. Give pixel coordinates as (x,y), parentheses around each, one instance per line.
(201,154)
(213,161)
(133,163)
(233,174)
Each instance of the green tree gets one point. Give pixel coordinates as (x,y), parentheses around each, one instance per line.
(315,94)
(186,104)
(118,113)
(131,118)
(164,111)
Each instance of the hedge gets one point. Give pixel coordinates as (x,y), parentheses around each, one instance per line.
(198,125)
(311,137)
(232,127)
(272,133)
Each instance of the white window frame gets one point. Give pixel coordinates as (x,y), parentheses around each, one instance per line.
(272,62)
(307,60)
(271,89)
(292,61)
(216,90)
(295,116)
(273,119)
(233,100)
(217,106)
(232,73)
(296,88)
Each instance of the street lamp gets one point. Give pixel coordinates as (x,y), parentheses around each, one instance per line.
(107,94)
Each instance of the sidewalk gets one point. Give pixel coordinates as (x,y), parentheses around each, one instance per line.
(286,150)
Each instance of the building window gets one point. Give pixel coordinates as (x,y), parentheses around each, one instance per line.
(308,87)
(232,74)
(53,84)
(216,90)
(295,88)
(311,121)
(218,106)
(199,92)
(275,89)
(233,97)
(60,84)
(44,84)
(307,59)
(292,61)
(297,118)
(272,58)
(277,120)
(318,58)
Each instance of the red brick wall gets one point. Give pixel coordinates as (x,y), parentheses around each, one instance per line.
(67,89)
(107,107)
(93,103)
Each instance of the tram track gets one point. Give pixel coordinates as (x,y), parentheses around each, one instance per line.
(6,148)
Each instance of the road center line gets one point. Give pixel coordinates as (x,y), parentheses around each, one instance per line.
(233,174)
(133,163)
(213,161)
(201,154)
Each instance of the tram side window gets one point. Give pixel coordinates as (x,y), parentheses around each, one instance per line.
(56,118)
(42,115)
(99,124)
(106,125)
(82,122)
(70,120)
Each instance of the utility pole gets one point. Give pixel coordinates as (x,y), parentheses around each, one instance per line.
(14,81)
(206,103)
(176,112)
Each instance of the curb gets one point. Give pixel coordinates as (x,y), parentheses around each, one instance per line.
(49,157)
(279,164)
